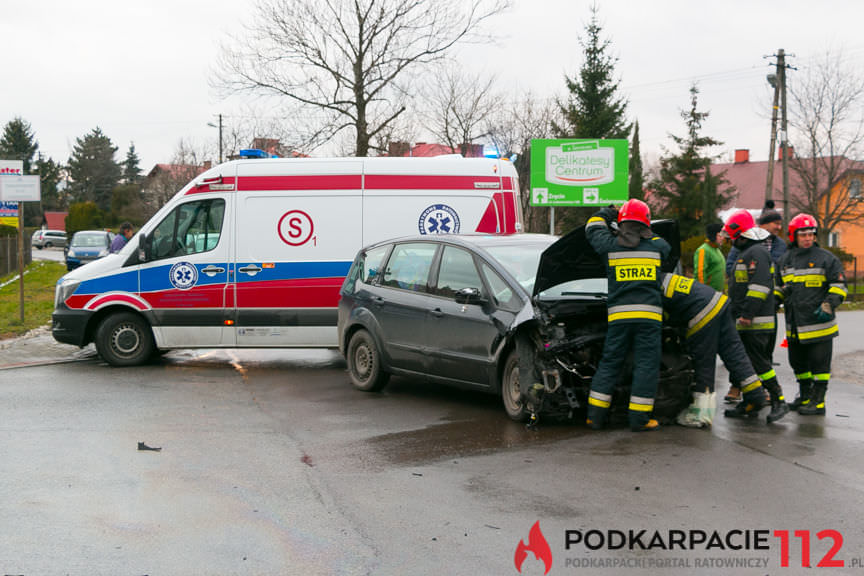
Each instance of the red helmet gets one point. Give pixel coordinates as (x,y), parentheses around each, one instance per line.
(636,211)
(801,222)
(738,223)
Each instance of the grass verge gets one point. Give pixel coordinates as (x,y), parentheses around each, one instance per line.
(39,280)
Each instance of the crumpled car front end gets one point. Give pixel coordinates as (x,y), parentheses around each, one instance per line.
(568,331)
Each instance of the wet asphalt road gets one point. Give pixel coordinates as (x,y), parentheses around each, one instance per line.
(271,464)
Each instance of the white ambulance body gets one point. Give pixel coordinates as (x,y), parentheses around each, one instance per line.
(252,253)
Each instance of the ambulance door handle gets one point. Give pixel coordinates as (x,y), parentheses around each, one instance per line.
(212,270)
(252,269)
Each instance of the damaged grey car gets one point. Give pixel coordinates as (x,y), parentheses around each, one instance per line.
(486,312)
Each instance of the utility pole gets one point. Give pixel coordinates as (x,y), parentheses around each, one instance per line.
(784,132)
(769,184)
(220,138)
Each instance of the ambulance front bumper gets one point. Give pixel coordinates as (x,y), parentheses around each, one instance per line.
(70,326)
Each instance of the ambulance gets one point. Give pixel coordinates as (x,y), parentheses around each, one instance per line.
(252,252)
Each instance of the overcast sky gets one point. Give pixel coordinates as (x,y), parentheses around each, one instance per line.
(139,70)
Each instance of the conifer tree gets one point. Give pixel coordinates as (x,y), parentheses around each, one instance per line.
(131,166)
(93,170)
(686,189)
(636,183)
(18,142)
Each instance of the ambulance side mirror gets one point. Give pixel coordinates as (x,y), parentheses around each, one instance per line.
(143,252)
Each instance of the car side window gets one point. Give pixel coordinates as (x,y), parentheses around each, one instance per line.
(190,228)
(371,265)
(457,272)
(504,296)
(408,266)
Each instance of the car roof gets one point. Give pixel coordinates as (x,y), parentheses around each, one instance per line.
(473,240)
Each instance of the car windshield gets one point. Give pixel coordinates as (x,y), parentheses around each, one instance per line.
(584,288)
(521,260)
(87,240)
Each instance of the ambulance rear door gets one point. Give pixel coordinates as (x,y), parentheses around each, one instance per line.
(299,225)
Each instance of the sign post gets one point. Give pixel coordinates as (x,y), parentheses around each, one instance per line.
(578,173)
(20,189)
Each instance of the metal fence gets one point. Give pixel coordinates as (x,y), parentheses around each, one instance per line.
(9,254)
(852,271)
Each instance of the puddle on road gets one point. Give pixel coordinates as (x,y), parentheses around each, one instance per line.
(459,439)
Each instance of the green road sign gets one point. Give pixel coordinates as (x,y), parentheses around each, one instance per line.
(578,172)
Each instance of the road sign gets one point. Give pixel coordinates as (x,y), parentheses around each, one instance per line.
(19,189)
(579,172)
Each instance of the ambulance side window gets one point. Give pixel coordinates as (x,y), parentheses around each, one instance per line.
(190,228)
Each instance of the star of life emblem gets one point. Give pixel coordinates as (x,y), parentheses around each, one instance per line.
(183,275)
(439,219)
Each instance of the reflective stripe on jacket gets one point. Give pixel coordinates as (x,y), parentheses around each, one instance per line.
(689,303)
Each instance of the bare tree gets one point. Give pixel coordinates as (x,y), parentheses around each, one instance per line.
(519,122)
(460,107)
(165,180)
(827,116)
(341,61)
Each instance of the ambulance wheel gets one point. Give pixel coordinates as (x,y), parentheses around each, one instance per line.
(364,363)
(511,394)
(124,339)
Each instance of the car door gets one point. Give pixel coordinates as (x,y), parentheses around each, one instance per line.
(185,277)
(399,303)
(463,337)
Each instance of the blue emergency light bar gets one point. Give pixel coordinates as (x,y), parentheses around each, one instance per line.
(253,153)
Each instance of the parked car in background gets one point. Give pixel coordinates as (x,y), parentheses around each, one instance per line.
(86,246)
(48,239)
(451,309)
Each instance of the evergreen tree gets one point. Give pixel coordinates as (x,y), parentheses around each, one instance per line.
(49,178)
(93,170)
(636,185)
(131,168)
(18,142)
(686,189)
(594,108)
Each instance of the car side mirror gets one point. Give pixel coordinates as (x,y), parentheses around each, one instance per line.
(469,296)
(143,248)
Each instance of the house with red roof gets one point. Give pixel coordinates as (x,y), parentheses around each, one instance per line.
(750,180)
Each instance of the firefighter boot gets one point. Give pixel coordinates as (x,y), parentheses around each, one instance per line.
(751,404)
(779,408)
(805,388)
(816,406)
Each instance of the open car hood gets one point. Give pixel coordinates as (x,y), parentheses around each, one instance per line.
(573,258)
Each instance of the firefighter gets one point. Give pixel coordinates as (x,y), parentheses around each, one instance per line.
(635,312)
(751,289)
(710,329)
(811,285)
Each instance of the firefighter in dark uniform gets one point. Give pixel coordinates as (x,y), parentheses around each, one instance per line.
(710,329)
(751,289)
(811,285)
(635,312)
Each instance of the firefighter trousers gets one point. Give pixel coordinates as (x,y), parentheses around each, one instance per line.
(720,337)
(811,362)
(645,340)
(760,349)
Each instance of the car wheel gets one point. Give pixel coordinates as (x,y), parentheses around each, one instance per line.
(48,245)
(364,363)
(38,247)
(511,394)
(124,339)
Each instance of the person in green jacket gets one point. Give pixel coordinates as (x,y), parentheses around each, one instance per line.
(709,263)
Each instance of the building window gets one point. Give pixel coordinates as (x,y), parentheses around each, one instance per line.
(834,240)
(855,189)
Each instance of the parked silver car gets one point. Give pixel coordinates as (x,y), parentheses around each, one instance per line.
(48,239)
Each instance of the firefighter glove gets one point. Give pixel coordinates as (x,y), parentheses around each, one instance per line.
(824,312)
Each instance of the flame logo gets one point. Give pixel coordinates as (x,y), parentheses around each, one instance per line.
(536,544)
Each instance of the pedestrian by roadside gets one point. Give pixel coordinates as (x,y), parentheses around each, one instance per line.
(751,290)
(122,237)
(708,260)
(706,316)
(635,313)
(811,285)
